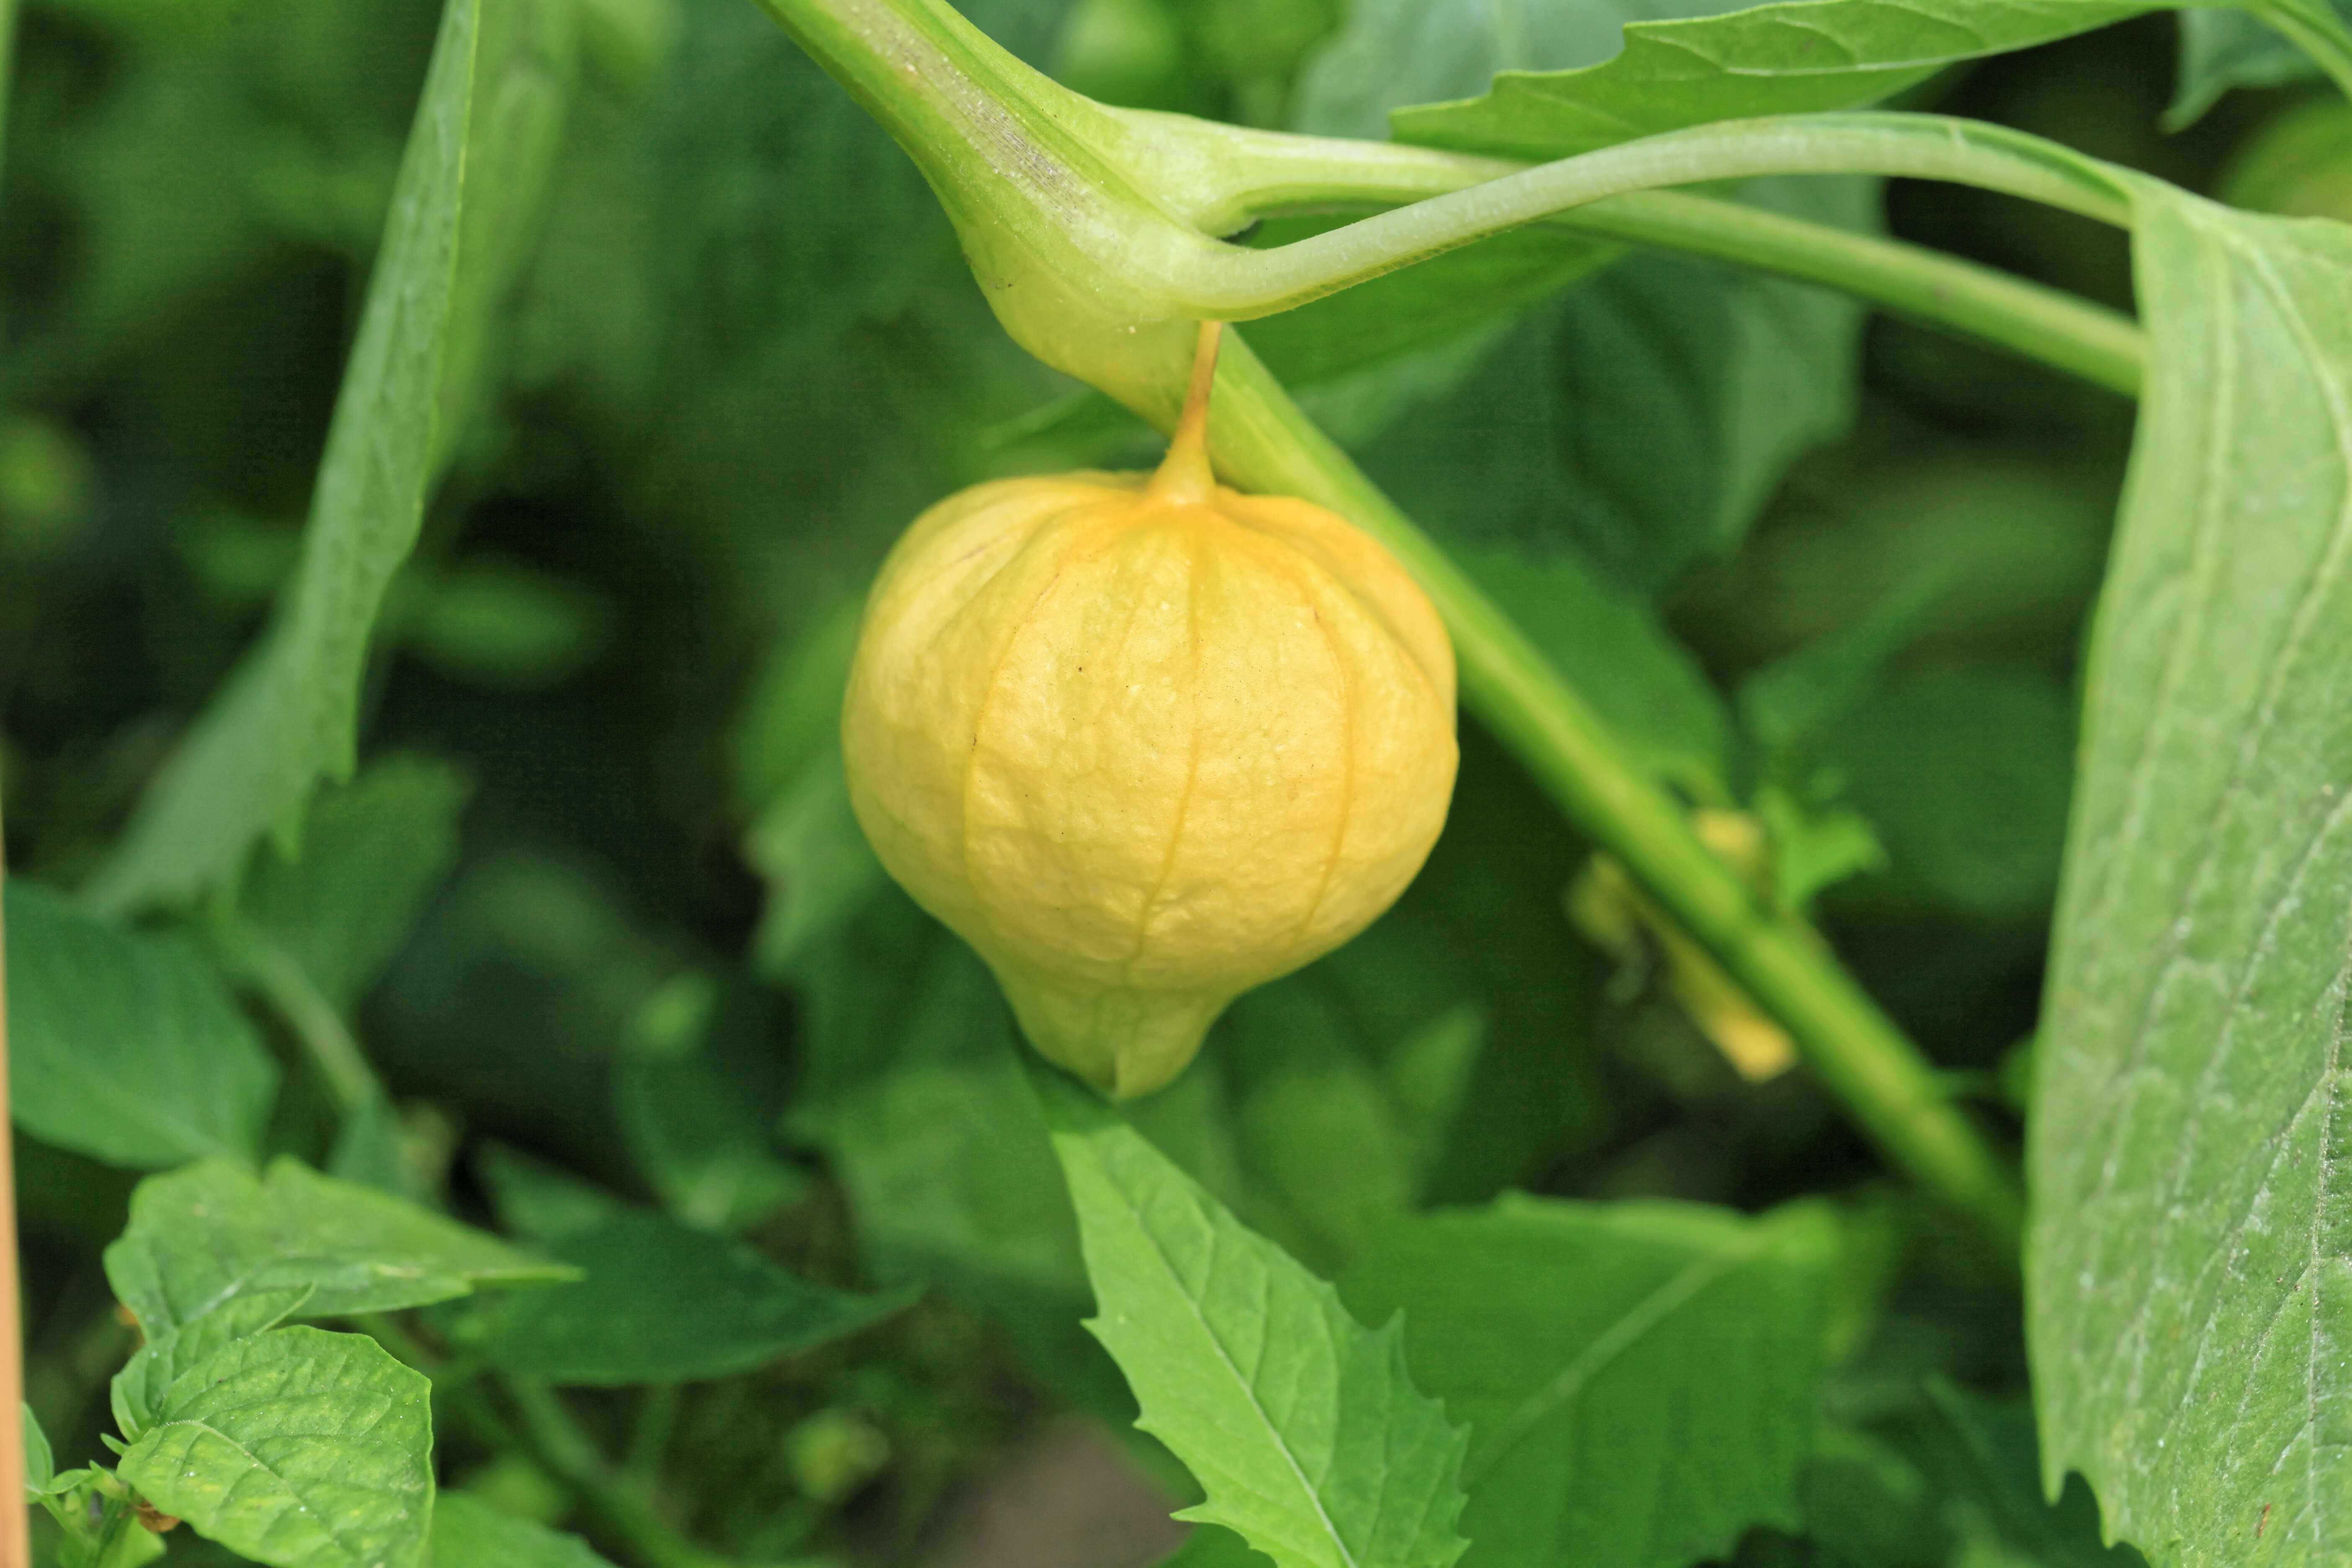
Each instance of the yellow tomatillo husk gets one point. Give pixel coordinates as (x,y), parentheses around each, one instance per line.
(1146,742)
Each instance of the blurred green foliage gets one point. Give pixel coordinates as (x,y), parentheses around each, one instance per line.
(597,896)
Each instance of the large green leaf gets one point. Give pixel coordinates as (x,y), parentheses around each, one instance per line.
(1305,1427)
(663,1303)
(1641,1379)
(298,1448)
(126,1046)
(288,715)
(1390,53)
(144,1384)
(202,1237)
(2190,1296)
(1792,57)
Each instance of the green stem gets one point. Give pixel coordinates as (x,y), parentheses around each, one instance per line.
(1265,173)
(313,1019)
(2101,346)
(1235,285)
(1262,439)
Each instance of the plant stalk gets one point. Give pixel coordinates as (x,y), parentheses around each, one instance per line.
(2036,322)
(1262,439)
(16,1526)
(1266,174)
(312,1018)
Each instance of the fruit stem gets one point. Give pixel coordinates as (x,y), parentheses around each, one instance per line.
(1186,475)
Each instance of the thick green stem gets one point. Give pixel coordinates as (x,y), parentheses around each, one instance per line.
(1262,439)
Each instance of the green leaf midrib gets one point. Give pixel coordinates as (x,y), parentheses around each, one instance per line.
(1684,1288)
(1224,1356)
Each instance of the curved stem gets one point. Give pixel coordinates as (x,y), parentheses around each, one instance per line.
(1262,439)
(1266,174)
(2103,347)
(313,1020)
(1236,285)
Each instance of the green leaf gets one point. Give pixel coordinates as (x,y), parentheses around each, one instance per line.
(1392,53)
(1989,1456)
(143,1386)
(469,1533)
(2188,1297)
(1364,358)
(2222,49)
(1305,1429)
(1646,416)
(915,1095)
(40,1464)
(663,1303)
(371,851)
(297,1448)
(288,715)
(1964,773)
(1641,1379)
(1794,700)
(1787,58)
(1212,1546)
(124,1047)
(204,1235)
(1613,649)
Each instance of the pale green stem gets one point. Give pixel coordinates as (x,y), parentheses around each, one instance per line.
(1274,172)
(1235,284)
(1265,442)
(2104,347)
(312,1018)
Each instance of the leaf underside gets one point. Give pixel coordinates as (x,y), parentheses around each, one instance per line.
(2190,1310)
